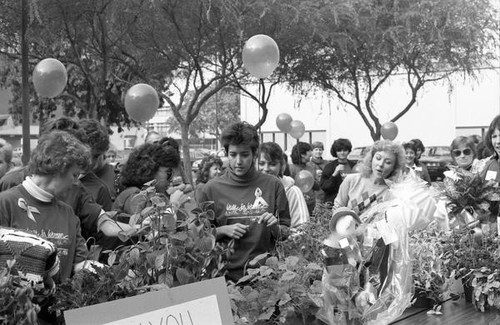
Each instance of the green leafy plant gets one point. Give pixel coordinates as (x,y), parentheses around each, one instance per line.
(431,277)
(172,247)
(16,305)
(474,256)
(486,288)
(277,290)
(466,249)
(287,287)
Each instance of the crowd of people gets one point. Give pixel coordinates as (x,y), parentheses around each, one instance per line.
(74,194)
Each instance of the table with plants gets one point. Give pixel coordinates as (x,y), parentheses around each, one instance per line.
(376,273)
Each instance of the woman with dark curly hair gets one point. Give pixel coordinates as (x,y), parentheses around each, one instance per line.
(335,171)
(150,161)
(179,179)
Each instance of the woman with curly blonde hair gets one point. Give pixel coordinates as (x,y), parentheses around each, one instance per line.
(385,160)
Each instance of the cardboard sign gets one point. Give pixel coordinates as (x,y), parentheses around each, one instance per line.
(201,303)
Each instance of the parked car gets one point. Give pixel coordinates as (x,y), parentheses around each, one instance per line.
(436,158)
(357,154)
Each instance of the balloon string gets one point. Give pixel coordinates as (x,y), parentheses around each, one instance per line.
(261,97)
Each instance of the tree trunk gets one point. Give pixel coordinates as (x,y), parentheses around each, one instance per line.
(24,82)
(185,151)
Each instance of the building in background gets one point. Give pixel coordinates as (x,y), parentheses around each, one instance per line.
(439,115)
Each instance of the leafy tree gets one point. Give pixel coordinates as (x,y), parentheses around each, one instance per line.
(219,111)
(354,47)
(200,39)
(92,39)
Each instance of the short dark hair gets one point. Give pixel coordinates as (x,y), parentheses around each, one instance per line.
(483,151)
(495,124)
(240,133)
(97,135)
(301,148)
(413,147)
(419,144)
(67,124)
(410,145)
(340,144)
(57,152)
(145,160)
(169,141)
(273,152)
(204,168)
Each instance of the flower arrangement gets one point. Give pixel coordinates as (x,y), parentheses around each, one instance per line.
(469,195)
(368,277)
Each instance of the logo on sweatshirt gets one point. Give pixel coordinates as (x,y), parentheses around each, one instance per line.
(258,207)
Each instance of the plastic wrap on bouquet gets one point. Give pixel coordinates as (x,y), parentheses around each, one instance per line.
(413,204)
(367,279)
(396,292)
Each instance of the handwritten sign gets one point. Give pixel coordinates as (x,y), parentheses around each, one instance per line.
(201,303)
(189,313)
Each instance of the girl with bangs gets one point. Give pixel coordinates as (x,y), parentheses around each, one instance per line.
(272,162)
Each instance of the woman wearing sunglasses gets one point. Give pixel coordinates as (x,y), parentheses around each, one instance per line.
(463,153)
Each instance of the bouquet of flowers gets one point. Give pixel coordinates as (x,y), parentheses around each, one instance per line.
(368,271)
(469,195)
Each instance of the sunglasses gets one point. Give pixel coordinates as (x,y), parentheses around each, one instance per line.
(457,152)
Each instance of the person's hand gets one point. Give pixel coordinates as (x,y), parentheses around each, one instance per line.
(178,198)
(268,218)
(174,188)
(319,172)
(235,231)
(338,169)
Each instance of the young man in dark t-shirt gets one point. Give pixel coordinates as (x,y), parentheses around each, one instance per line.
(250,207)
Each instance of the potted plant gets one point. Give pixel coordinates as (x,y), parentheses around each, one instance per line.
(430,275)
(473,256)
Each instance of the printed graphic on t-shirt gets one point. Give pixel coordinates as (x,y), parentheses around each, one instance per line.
(247,210)
(61,240)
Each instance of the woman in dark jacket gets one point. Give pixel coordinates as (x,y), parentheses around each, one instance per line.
(335,171)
